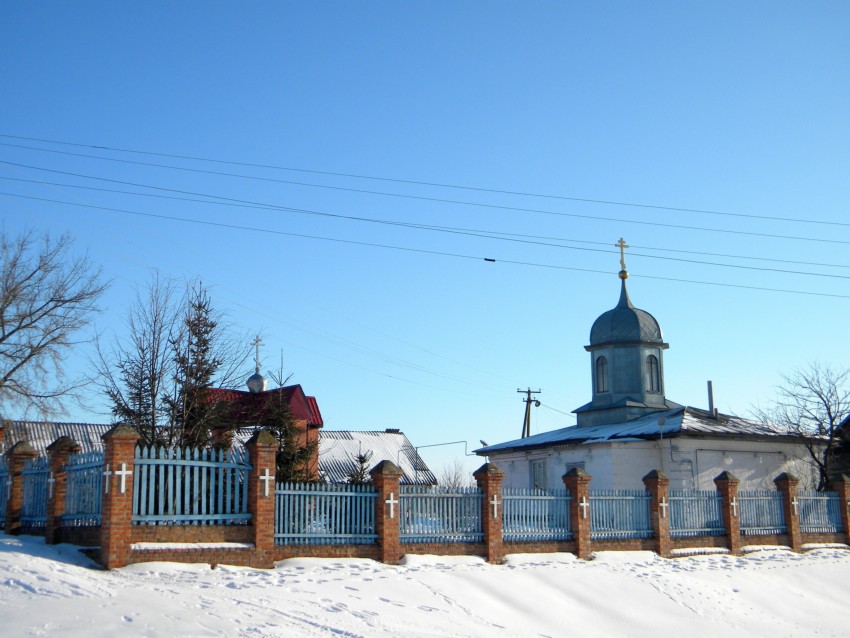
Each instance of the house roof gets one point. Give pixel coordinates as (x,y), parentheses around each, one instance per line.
(338,451)
(245,406)
(678,422)
(40,434)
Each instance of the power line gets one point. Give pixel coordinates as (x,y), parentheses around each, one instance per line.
(511,237)
(388,179)
(430,252)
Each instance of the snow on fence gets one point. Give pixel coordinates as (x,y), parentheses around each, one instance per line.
(440,514)
(820,512)
(5,486)
(535,515)
(761,513)
(695,513)
(84,489)
(619,514)
(324,514)
(184,486)
(35,479)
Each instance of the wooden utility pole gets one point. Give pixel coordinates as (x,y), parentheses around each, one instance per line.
(526,423)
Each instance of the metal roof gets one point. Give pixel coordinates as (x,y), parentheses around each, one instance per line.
(338,451)
(40,434)
(682,421)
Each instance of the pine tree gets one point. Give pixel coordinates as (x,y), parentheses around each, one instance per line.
(358,474)
(294,455)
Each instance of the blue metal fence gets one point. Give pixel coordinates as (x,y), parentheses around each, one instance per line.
(619,514)
(761,513)
(820,512)
(695,513)
(35,474)
(5,485)
(440,514)
(184,486)
(84,489)
(535,515)
(320,514)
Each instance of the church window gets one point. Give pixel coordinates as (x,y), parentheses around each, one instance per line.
(538,474)
(653,378)
(601,374)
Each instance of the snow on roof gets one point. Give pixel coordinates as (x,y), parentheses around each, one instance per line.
(40,434)
(338,451)
(683,421)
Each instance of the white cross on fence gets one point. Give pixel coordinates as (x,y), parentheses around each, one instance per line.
(106,475)
(392,501)
(123,473)
(495,502)
(266,478)
(584,505)
(50,481)
(663,505)
(794,505)
(734,504)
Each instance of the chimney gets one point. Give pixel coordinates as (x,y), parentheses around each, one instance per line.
(711,409)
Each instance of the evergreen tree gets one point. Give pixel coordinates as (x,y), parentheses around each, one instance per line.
(360,466)
(294,457)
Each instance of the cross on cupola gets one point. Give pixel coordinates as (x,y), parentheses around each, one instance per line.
(622,245)
(257,342)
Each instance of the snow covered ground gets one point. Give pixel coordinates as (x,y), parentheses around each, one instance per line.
(55,591)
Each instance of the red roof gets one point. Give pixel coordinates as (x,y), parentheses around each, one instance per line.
(246,405)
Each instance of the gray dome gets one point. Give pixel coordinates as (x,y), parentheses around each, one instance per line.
(625,324)
(257,383)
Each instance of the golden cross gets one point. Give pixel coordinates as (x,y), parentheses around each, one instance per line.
(622,245)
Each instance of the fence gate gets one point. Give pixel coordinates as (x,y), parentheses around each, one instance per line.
(84,489)
(35,477)
(440,515)
(5,486)
(324,514)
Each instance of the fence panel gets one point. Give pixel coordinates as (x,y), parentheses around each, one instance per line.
(535,515)
(320,514)
(695,513)
(619,514)
(185,486)
(5,486)
(35,474)
(84,489)
(440,514)
(761,513)
(820,512)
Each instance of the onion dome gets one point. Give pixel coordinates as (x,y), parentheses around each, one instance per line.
(625,323)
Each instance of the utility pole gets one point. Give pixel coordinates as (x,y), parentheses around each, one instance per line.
(526,423)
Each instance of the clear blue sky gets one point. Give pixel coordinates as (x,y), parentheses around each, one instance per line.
(733,107)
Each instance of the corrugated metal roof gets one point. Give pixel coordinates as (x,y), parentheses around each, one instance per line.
(682,421)
(338,451)
(40,434)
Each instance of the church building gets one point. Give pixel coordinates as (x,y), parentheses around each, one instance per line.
(630,427)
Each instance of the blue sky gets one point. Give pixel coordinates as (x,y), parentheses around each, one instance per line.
(740,109)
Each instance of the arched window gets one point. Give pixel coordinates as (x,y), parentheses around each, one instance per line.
(653,379)
(601,374)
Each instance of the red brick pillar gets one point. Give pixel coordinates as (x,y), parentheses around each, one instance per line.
(787,484)
(727,485)
(489,479)
(262,450)
(577,482)
(385,477)
(117,515)
(842,487)
(656,484)
(58,453)
(20,453)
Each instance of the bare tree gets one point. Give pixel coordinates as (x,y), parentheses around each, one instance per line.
(811,403)
(455,475)
(47,298)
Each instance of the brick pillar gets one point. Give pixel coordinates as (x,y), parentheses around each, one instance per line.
(656,484)
(20,453)
(577,482)
(842,487)
(58,453)
(787,484)
(489,479)
(727,485)
(262,450)
(385,477)
(117,515)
